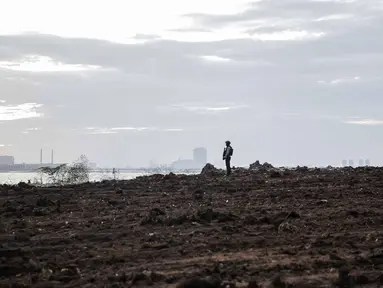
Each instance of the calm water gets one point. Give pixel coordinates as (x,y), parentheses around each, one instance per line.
(16,177)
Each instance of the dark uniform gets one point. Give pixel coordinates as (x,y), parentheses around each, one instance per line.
(227,153)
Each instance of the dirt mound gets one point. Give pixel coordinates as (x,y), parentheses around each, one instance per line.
(258,165)
(210,170)
(301,227)
(158,217)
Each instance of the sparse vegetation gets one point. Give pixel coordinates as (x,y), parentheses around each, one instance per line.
(76,173)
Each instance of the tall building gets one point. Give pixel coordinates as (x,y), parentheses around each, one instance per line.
(367,162)
(361,163)
(351,163)
(7,160)
(344,163)
(200,156)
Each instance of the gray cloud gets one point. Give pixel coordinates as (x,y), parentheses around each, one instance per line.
(276,100)
(292,14)
(146,37)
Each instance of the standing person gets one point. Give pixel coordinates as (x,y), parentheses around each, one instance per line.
(227,153)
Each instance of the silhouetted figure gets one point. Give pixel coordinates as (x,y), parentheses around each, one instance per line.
(227,153)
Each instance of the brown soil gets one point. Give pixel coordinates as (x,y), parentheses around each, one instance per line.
(260,228)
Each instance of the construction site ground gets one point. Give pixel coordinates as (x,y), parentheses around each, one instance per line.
(259,228)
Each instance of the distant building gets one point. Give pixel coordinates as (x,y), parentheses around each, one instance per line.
(351,163)
(344,163)
(198,162)
(361,163)
(200,156)
(367,162)
(7,160)
(184,164)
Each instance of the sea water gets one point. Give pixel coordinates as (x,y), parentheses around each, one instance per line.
(16,177)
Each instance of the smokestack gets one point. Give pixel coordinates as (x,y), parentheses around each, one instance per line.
(41,156)
(52,157)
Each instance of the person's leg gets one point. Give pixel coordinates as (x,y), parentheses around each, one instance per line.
(228,168)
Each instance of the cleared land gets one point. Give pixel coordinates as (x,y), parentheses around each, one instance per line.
(295,227)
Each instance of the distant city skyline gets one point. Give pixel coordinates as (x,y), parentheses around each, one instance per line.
(351,162)
(187,161)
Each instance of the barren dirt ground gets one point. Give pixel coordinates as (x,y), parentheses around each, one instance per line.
(295,228)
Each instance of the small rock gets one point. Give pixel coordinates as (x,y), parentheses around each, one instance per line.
(170,279)
(34,264)
(228,285)
(361,280)
(253,284)
(275,174)
(44,202)
(198,283)
(257,165)
(344,279)
(278,282)
(21,236)
(198,195)
(142,278)
(156,277)
(293,215)
(46,273)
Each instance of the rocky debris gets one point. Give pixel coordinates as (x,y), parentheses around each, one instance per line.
(24,185)
(257,165)
(201,283)
(260,223)
(210,170)
(198,195)
(66,275)
(118,190)
(22,236)
(267,165)
(278,281)
(209,215)
(348,278)
(344,279)
(156,216)
(276,174)
(302,169)
(140,279)
(10,206)
(3,227)
(39,212)
(253,284)
(170,177)
(377,259)
(44,202)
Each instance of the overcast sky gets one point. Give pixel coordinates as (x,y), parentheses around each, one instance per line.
(127,82)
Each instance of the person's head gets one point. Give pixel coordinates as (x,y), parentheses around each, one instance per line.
(227,143)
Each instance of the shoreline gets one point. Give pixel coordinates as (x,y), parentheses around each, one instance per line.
(103,170)
(207,170)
